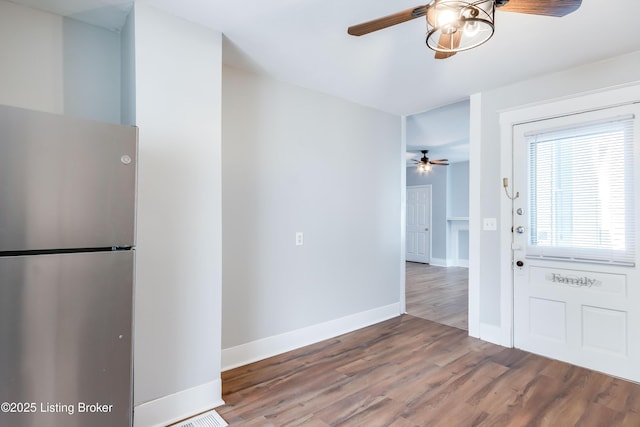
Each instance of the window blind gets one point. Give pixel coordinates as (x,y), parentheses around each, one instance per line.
(581,191)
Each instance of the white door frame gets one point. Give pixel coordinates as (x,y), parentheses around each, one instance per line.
(430,187)
(403,215)
(596,100)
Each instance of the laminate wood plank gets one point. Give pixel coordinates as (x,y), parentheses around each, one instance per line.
(619,395)
(443,404)
(583,390)
(631,419)
(439,294)
(411,372)
(403,422)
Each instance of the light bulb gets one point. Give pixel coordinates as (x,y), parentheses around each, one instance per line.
(424,167)
(446,17)
(471,28)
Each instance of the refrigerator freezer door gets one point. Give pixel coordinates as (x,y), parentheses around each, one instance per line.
(65,340)
(65,182)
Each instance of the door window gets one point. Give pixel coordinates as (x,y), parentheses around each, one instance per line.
(580,187)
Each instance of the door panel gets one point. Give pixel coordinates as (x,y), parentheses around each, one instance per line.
(570,302)
(418,224)
(66,338)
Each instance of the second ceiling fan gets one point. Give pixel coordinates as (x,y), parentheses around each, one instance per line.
(424,164)
(456,25)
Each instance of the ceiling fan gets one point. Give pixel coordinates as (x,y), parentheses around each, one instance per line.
(424,164)
(457,25)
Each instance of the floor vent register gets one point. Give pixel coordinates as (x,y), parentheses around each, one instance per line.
(208,419)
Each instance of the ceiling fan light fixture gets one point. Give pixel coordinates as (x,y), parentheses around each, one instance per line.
(457,25)
(424,167)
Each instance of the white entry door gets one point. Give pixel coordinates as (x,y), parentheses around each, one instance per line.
(419,223)
(576,278)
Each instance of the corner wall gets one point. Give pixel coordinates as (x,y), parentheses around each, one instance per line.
(178,282)
(58,65)
(300,161)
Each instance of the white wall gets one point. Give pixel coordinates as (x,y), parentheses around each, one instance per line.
(486,170)
(458,185)
(91,71)
(128,71)
(178,324)
(31,41)
(58,65)
(296,160)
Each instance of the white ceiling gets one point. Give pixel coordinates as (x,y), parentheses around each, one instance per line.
(305,42)
(444,131)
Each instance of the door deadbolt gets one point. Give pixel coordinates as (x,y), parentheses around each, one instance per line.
(520,211)
(519,263)
(520,229)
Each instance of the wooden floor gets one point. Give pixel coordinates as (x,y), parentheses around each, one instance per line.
(411,372)
(440,294)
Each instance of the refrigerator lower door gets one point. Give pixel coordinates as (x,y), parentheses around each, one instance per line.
(65,340)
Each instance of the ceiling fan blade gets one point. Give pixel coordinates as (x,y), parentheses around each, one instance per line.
(387,21)
(542,7)
(448,41)
(440,162)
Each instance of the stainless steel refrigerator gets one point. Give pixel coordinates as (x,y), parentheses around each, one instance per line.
(67,240)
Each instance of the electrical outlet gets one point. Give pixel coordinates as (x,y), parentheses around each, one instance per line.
(299,238)
(489,224)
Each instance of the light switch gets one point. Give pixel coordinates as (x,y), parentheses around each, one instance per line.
(299,238)
(489,224)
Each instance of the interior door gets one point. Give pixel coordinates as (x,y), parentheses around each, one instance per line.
(418,224)
(575,241)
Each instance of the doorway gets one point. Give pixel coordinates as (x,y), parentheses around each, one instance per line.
(442,135)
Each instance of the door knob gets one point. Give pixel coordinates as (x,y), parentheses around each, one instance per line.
(520,229)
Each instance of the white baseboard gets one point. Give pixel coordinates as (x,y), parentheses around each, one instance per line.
(178,406)
(266,347)
(439,262)
(491,333)
(463,263)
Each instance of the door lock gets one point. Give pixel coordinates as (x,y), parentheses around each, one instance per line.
(519,263)
(520,229)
